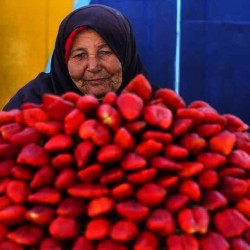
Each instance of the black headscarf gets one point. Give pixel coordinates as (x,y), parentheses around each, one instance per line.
(113,27)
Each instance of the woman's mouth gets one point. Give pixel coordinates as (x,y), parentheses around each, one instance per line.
(95,81)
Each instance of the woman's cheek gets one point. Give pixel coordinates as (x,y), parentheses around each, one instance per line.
(75,71)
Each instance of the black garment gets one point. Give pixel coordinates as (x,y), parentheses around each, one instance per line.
(114,28)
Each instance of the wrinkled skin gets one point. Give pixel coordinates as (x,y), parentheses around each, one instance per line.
(93,66)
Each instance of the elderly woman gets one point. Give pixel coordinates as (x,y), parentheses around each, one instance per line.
(95,52)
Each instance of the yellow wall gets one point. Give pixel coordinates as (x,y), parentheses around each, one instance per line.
(27,34)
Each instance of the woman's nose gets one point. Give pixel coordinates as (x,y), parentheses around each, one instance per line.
(93,62)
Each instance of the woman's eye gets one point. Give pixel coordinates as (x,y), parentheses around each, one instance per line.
(100,54)
(81,56)
(104,53)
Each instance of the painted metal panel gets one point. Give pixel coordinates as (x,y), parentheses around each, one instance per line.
(27,30)
(215,54)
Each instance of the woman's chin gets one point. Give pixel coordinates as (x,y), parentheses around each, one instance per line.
(98,91)
(98,94)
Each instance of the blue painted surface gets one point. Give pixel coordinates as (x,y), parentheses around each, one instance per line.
(215,54)
(214,10)
(80,3)
(47,69)
(178,47)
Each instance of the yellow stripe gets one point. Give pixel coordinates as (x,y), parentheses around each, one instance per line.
(27,29)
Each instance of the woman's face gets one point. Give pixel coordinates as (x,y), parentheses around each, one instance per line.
(93,66)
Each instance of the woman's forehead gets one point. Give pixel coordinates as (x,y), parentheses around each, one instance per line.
(89,37)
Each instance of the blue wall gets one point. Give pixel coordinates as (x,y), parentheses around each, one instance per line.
(215,54)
